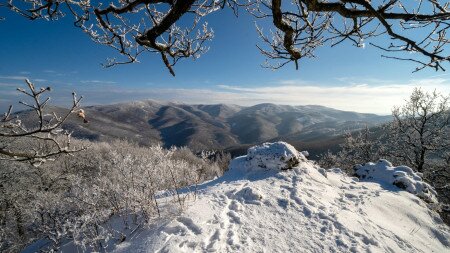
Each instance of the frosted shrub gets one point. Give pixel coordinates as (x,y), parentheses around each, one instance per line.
(97,197)
(358,148)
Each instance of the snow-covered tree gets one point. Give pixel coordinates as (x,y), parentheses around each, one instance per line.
(420,131)
(418,137)
(358,148)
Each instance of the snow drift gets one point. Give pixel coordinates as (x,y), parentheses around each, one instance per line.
(261,206)
(401,176)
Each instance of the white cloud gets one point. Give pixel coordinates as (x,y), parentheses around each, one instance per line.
(22,78)
(193,96)
(7,85)
(51,72)
(360,97)
(13,77)
(97,82)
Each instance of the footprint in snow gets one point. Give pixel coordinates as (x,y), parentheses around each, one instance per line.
(185,224)
(211,245)
(234,217)
(235,206)
(283,203)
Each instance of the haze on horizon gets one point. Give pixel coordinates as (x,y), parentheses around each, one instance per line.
(364,98)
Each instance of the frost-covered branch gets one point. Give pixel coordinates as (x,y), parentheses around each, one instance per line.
(415,31)
(41,139)
(420,127)
(304,25)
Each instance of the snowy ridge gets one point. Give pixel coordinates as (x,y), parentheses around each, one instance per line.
(297,210)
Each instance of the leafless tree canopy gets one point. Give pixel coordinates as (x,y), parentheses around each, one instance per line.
(420,129)
(136,26)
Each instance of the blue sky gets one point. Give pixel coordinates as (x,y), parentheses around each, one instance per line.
(59,55)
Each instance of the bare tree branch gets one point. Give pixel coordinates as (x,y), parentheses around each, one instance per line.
(46,130)
(301,26)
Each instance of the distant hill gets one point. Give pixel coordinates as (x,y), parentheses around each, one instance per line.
(219,126)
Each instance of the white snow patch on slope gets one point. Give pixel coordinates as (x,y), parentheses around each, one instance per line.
(298,210)
(402,176)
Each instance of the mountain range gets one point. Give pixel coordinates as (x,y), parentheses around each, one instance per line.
(218,126)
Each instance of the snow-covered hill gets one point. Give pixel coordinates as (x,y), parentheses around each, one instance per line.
(256,207)
(216,126)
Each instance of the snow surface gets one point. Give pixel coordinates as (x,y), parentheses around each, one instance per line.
(402,176)
(297,210)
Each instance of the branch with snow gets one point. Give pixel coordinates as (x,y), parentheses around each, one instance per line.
(415,32)
(40,140)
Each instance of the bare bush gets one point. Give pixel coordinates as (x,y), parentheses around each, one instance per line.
(420,131)
(219,158)
(96,198)
(358,148)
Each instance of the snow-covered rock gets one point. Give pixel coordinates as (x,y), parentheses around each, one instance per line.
(383,172)
(305,153)
(279,156)
(297,210)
